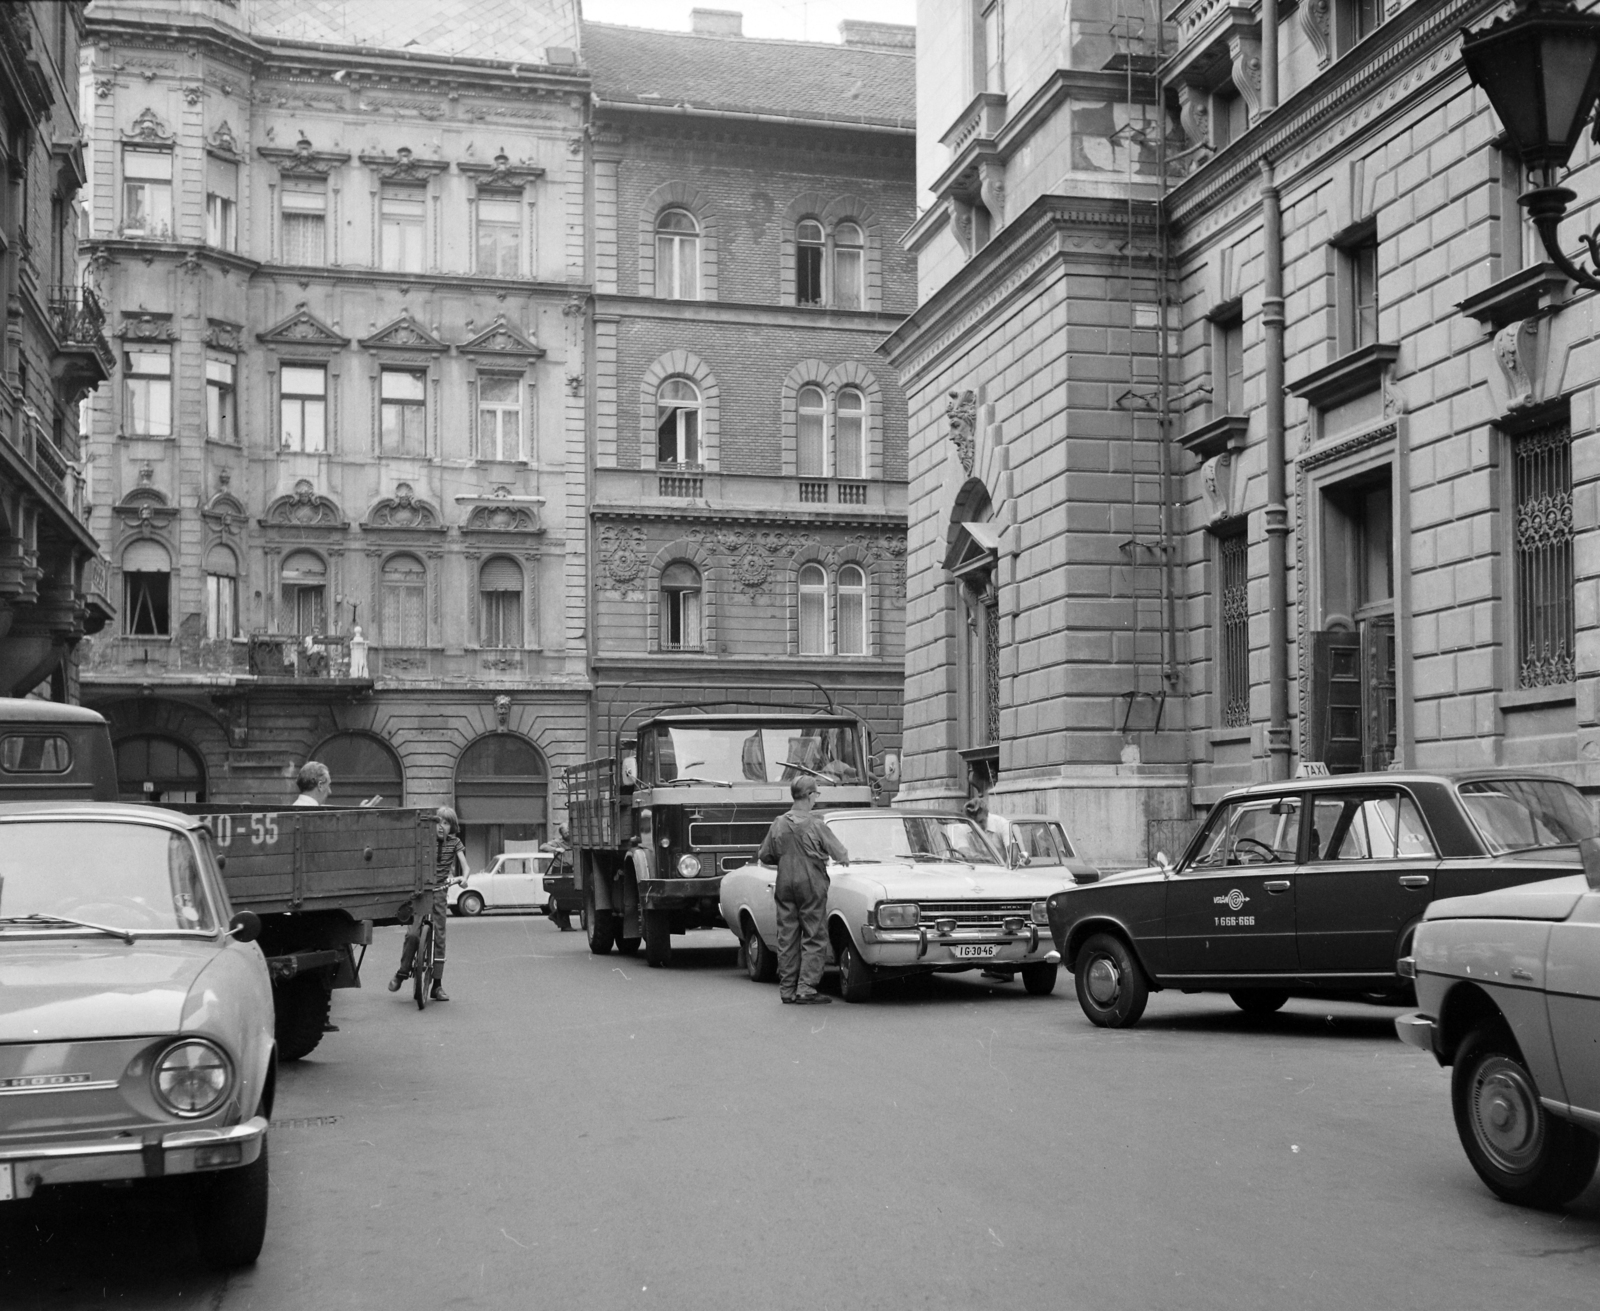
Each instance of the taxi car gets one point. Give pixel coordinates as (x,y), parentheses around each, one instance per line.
(515,881)
(1508,990)
(1313,885)
(922,893)
(136,1033)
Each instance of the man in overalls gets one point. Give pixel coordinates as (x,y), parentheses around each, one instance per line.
(800,844)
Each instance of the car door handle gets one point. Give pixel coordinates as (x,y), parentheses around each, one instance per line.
(1277,885)
(1415,880)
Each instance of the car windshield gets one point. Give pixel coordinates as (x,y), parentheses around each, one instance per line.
(135,878)
(1520,814)
(750,753)
(931,838)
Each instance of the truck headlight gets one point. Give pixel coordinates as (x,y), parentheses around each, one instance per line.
(1039,912)
(192,1078)
(899,915)
(689,866)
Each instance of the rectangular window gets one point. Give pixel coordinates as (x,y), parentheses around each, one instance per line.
(501,624)
(305,609)
(994,77)
(808,274)
(1227,383)
(847,277)
(222,606)
(303,403)
(405,606)
(1359,288)
(400,222)
(147,386)
(1233,648)
(680,620)
(222,210)
(220,421)
(403,417)
(499,418)
(145,603)
(147,193)
(304,218)
(499,236)
(1542,475)
(1515,231)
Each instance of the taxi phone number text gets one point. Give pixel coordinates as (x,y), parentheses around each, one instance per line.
(1235,921)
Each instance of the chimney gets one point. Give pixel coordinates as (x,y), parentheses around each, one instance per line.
(716,22)
(877,36)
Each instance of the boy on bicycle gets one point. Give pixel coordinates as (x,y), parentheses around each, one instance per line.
(449,863)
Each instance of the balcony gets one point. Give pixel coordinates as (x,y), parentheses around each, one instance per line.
(315,658)
(661,492)
(84,358)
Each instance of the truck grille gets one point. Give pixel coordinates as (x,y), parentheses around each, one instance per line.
(740,834)
(974,914)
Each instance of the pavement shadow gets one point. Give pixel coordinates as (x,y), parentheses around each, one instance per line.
(1340,1024)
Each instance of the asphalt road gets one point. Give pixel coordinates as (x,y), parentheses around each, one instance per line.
(582,1132)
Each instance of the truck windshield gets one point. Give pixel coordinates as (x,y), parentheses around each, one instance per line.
(751,753)
(136,878)
(1520,814)
(880,838)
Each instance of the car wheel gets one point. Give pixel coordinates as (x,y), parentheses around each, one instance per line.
(855,975)
(1525,1154)
(759,961)
(230,1214)
(1259,1001)
(599,923)
(300,1015)
(1112,988)
(470,903)
(657,938)
(1040,978)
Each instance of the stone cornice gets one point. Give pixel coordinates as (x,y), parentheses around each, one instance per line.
(735,514)
(680,123)
(610,305)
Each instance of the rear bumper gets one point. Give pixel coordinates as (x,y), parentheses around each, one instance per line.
(1419,1031)
(181,1151)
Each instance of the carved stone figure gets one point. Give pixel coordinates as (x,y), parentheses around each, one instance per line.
(962,411)
(358,653)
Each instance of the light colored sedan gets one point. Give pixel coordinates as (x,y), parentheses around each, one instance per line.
(1508,990)
(922,894)
(515,881)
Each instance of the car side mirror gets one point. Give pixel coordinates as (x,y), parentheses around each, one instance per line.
(890,768)
(245,926)
(1165,861)
(630,771)
(1589,853)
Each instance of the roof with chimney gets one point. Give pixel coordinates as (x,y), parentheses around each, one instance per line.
(870,85)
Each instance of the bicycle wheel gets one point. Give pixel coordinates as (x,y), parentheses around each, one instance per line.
(422,966)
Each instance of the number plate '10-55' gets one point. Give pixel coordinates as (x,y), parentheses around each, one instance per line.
(975,951)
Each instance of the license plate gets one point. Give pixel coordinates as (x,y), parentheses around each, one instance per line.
(7,1190)
(975,951)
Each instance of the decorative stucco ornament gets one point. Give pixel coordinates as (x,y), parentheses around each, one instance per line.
(962,411)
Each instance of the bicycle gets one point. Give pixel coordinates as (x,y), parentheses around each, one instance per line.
(422,963)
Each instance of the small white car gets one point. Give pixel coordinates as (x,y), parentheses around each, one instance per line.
(515,881)
(1508,991)
(1038,843)
(922,894)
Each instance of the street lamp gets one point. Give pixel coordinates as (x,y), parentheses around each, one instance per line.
(1540,69)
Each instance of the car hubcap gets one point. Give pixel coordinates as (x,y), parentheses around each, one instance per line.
(1104,981)
(1506,1117)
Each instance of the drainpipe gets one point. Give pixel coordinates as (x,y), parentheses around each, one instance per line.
(1269,55)
(1277,503)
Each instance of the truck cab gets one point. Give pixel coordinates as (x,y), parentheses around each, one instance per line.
(54,752)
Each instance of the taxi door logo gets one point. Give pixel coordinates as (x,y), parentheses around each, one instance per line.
(1233,901)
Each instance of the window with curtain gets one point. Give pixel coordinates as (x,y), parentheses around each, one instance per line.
(405,602)
(500,603)
(304,579)
(303,218)
(680,607)
(849,267)
(499,235)
(813,610)
(146,193)
(677,423)
(222,207)
(852,610)
(222,594)
(403,412)
(809,247)
(303,407)
(146,590)
(811,432)
(221,423)
(850,433)
(677,255)
(147,389)
(400,221)
(499,417)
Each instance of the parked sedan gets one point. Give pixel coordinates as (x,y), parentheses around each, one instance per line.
(921,894)
(1315,885)
(136,1034)
(1039,844)
(1508,986)
(515,881)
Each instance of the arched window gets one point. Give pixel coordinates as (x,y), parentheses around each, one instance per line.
(809,246)
(305,591)
(502,795)
(811,413)
(852,610)
(677,423)
(680,607)
(677,255)
(405,602)
(361,767)
(500,602)
(157,769)
(222,593)
(147,589)
(813,610)
(849,267)
(850,434)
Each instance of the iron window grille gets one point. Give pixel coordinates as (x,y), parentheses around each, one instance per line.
(1542,464)
(1233,551)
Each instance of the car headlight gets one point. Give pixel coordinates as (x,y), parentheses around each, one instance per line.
(898,915)
(689,866)
(192,1078)
(1040,912)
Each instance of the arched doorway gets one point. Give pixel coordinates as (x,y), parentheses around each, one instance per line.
(159,770)
(502,795)
(362,767)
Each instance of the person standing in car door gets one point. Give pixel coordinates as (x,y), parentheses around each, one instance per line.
(800,844)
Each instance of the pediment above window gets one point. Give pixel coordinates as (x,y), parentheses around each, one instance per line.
(225,513)
(405,334)
(147,327)
(404,511)
(501,511)
(145,506)
(404,166)
(303,328)
(149,129)
(304,508)
(501,172)
(303,160)
(502,338)
(974,548)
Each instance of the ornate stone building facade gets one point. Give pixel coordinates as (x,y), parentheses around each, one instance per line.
(53,583)
(342,478)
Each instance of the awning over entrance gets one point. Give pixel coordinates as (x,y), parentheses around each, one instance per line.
(972,546)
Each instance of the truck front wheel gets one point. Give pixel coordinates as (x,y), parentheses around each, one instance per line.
(600,925)
(657,938)
(300,1012)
